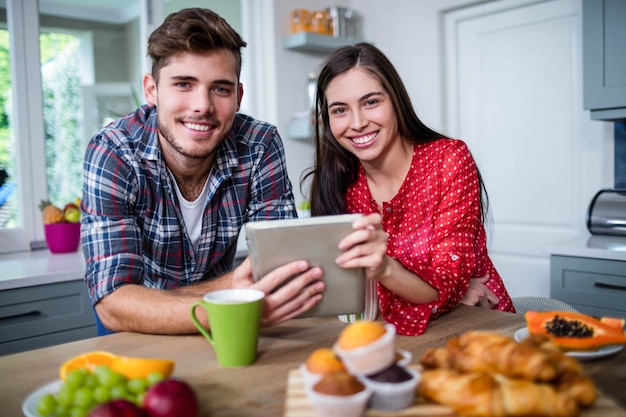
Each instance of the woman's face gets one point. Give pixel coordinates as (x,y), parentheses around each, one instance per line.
(361,114)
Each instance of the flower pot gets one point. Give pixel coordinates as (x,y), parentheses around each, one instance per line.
(62,237)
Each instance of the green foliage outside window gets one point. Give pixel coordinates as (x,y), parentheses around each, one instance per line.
(64,144)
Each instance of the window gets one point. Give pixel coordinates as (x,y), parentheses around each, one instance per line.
(66,67)
(63,72)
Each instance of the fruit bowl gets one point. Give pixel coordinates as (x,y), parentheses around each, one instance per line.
(62,237)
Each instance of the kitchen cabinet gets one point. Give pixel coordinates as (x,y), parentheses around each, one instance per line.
(594,286)
(604,60)
(44,315)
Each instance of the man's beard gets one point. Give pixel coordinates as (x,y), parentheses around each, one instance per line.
(171,140)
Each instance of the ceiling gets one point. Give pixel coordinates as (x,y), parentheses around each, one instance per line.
(108,11)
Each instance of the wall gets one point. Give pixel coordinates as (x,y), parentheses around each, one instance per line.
(292,69)
(410,34)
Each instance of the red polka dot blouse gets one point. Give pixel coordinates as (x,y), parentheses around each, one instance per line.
(435,231)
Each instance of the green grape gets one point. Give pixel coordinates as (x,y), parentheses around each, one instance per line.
(79,412)
(65,396)
(101,394)
(137,385)
(61,411)
(99,369)
(91,381)
(109,378)
(139,399)
(46,405)
(119,392)
(83,397)
(76,378)
(154,377)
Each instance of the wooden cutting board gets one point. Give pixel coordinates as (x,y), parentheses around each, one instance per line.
(298,405)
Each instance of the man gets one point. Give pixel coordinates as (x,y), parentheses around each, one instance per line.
(168,187)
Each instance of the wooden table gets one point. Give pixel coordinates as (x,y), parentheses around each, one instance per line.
(261,389)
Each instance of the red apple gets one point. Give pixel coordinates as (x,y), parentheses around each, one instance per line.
(171,398)
(117,408)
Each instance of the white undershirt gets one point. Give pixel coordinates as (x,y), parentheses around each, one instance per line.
(192,213)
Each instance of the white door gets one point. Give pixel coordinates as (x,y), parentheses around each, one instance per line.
(514,94)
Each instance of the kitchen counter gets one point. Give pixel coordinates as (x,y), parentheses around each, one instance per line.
(43,267)
(40,267)
(592,246)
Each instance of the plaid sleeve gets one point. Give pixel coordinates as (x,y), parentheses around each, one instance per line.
(110,237)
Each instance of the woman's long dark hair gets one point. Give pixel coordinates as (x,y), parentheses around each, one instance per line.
(334,168)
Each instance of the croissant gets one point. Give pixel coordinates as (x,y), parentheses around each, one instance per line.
(479,394)
(570,378)
(494,353)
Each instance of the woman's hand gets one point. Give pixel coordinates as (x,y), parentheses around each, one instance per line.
(290,290)
(366,247)
(479,295)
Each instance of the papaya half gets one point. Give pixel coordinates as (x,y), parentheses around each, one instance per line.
(575,331)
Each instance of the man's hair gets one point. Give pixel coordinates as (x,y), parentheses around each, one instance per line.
(194,30)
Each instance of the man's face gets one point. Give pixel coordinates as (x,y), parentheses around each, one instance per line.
(197,97)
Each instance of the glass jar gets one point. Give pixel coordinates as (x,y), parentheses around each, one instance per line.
(300,20)
(321,23)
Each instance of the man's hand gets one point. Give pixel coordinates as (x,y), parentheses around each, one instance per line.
(283,302)
(479,295)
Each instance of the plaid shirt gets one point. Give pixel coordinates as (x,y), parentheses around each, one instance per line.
(132,228)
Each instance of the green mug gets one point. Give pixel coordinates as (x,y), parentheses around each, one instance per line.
(234,320)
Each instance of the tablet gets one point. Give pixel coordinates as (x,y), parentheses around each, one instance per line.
(272,243)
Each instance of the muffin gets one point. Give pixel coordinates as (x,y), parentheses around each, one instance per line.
(360,333)
(321,362)
(366,347)
(393,388)
(338,394)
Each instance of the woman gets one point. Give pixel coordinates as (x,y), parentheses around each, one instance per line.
(423,238)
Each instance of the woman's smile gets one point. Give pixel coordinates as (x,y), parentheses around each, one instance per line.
(364,139)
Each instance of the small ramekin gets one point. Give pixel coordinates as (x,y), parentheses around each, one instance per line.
(392,396)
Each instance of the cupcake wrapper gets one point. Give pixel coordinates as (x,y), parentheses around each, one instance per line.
(338,406)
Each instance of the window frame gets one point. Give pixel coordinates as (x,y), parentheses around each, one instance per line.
(28,126)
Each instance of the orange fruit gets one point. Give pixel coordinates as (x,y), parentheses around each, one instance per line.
(360,333)
(88,360)
(142,367)
(130,367)
(324,361)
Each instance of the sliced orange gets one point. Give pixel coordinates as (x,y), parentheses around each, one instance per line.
(142,367)
(88,360)
(128,366)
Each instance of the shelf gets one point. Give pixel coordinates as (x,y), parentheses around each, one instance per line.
(312,42)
